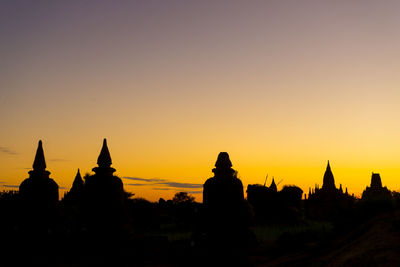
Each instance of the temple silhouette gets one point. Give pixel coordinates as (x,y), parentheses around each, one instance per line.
(328,201)
(226,214)
(39,198)
(376,190)
(103,199)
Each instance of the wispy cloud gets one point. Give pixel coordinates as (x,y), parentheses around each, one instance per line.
(180,185)
(11,186)
(148,180)
(162,184)
(161,188)
(7,150)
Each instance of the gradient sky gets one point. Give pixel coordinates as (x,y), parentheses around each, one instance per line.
(282,86)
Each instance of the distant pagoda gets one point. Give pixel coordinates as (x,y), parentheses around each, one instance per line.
(327,201)
(328,188)
(77,185)
(376,190)
(273,186)
(74,196)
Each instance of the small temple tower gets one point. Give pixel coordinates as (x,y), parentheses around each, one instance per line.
(273,185)
(74,196)
(329,181)
(77,185)
(376,190)
(39,189)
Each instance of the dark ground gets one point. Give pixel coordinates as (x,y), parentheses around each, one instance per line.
(373,243)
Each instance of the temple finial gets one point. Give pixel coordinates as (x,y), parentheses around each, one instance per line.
(104,159)
(39,163)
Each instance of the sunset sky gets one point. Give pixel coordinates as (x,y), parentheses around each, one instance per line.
(282,86)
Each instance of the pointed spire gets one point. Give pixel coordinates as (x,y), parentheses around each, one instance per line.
(273,185)
(39,164)
(329,181)
(104,159)
(78,181)
(78,177)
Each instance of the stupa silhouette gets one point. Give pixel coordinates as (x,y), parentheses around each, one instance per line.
(39,189)
(104,196)
(226,215)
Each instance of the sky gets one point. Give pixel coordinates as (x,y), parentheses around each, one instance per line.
(282,86)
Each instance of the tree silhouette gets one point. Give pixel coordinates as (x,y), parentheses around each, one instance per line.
(182,197)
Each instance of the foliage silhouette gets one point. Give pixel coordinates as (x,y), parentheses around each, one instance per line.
(182,197)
